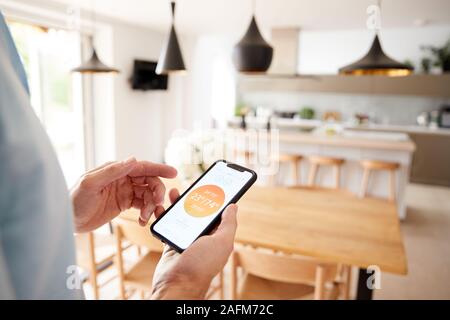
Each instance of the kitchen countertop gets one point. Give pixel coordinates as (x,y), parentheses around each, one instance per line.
(402,128)
(314,123)
(350,139)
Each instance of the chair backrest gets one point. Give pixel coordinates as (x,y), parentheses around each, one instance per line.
(282,267)
(137,235)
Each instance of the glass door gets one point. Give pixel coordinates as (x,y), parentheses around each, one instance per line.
(48,54)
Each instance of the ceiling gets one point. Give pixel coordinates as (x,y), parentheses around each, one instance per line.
(230,16)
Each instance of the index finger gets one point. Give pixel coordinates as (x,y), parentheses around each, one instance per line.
(150,169)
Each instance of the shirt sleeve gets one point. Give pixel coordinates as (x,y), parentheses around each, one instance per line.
(36,232)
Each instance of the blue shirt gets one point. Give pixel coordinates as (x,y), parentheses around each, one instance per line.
(36,232)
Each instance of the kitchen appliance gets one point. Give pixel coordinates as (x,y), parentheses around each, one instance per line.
(444,117)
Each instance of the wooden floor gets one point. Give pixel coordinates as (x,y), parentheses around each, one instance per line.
(426,233)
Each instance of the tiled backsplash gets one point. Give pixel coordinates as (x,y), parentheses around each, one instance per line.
(384,109)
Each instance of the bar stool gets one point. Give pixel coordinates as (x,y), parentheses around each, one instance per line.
(372,165)
(293,160)
(317,161)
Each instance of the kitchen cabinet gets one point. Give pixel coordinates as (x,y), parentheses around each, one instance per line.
(431,160)
(415,85)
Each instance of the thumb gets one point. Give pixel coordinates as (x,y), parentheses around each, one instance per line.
(111,172)
(228,225)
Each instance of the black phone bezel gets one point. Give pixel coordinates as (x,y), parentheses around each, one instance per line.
(215,221)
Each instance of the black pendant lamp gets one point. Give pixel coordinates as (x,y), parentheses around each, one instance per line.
(376,62)
(94,64)
(252,54)
(171,59)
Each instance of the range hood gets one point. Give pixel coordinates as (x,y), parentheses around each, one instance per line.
(286,45)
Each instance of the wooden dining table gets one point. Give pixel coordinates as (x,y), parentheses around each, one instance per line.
(329,225)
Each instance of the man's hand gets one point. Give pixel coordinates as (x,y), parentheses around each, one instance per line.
(102,193)
(189,275)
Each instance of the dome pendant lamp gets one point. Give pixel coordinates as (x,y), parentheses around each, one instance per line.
(94,64)
(171,59)
(376,62)
(252,54)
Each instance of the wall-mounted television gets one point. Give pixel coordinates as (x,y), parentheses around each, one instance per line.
(145,77)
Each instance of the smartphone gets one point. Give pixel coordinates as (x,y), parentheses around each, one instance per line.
(199,209)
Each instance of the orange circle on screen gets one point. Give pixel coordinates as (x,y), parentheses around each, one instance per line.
(204,200)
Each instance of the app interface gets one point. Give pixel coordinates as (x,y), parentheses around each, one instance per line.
(198,208)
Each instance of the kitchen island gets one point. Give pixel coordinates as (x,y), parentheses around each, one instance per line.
(431,157)
(352,146)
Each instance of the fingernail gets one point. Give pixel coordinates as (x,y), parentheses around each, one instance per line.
(145,215)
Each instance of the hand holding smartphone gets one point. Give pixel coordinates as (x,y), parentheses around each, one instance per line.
(198,210)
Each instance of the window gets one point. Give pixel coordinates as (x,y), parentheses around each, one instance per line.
(48,54)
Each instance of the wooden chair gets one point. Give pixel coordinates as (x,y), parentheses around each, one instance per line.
(317,161)
(293,161)
(139,276)
(270,275)
(95,253)
(375,165)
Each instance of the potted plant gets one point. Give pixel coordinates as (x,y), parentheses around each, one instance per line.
(306,113)
(426,65)
(440,55)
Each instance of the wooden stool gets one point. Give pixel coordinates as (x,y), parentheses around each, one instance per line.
(293,160)
(317,161)
(370,165)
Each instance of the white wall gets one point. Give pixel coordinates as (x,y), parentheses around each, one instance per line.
(139,123)
(131,122)
(125,122)
(138,114)
(320,52)
(213,81)
(324,52)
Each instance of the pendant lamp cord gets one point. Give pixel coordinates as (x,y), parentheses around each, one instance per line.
(93,18)
(254,7)
(172,4)
(93,13)
(379,6)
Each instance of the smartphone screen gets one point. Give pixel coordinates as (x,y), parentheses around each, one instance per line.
(202,203)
